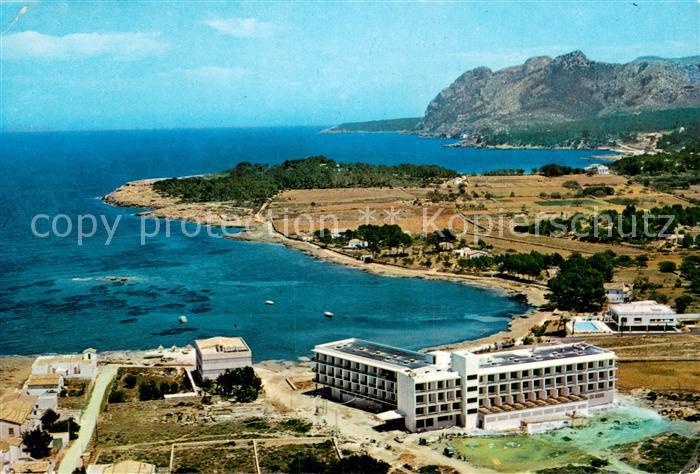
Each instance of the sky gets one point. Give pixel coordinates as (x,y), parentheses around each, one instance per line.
(157,64)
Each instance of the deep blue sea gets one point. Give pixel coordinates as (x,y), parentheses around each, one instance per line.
(56,295)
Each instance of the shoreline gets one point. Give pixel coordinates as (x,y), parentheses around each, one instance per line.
(518,327)
(139,194)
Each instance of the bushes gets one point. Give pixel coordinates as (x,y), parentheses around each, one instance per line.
(37,442)
(130,381)
(117,396)
(355,464)
(667,266)
(241,384)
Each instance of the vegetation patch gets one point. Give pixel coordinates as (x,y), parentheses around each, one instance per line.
(145,383)
(253,184)
(224,458)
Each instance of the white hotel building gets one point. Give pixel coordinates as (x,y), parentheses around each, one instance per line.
(512,389)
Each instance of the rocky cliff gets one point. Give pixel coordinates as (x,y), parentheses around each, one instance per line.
(567,88)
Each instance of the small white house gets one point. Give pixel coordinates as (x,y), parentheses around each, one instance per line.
(217,354)
(71,366)
(18,413)
(466,252)
(39,384)
(618,292)
(598,169)
(10,452)
(357,244)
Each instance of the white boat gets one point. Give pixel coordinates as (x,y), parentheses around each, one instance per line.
(328,314)
(182,319)
(270,302)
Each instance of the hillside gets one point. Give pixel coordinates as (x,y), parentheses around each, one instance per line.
(391,125)
(567,88)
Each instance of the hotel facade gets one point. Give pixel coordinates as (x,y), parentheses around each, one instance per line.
(521,388)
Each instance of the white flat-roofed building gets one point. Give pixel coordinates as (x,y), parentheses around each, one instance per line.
(492,391)
(71,366)
(643,316)
(217,354)
(618,292)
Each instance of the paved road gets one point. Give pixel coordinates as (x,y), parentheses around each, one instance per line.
(88,419)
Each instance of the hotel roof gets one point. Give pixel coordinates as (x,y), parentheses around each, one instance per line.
(400,359)
(221,344)
(642,307)
(538,354)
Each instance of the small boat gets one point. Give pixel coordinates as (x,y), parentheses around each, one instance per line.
(182,319)
(270,302)
(328,314)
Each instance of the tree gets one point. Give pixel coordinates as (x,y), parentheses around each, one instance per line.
(38,443)
(359,464)
(682,303)
(667,266)
(149,391)
(130,381)
(604,263)
(48,419)
(641,260)
(66,426)
(117,396)
(242,384)
(578,286)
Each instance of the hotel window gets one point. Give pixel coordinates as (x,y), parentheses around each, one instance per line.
(420,399)
(491,378)
(420,411)
(502,376)
(547,370)
(420,387)
(537,372)
(503,387)
(472,389)
(458,382)
(456,406)
(471,411)
(569,368)
(471,400)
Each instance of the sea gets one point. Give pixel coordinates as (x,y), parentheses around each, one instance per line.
(59,293)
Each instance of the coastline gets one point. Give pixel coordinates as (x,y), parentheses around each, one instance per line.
(256,228)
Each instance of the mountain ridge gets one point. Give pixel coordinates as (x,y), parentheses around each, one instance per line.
(564,88)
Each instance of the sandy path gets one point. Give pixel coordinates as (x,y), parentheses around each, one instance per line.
(88,419)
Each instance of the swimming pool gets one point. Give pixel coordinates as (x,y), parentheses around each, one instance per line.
(586,326)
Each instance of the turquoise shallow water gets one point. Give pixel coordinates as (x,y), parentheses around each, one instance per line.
(56,295)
